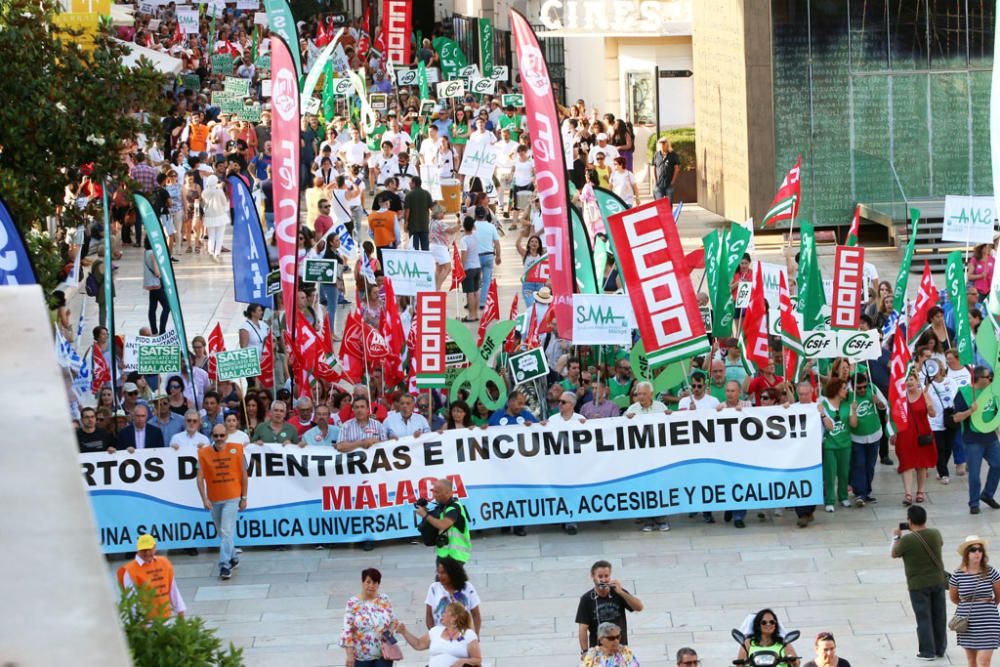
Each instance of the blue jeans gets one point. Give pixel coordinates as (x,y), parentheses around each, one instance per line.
(329,296)
(976,453)
(486,264)
(421,240)
(958,448)
(528,292)
(864,455)
(661,193)
(224,515)
(269,220)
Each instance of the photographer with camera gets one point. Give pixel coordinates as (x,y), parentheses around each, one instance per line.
(607,602)
(926,580)
(446,527)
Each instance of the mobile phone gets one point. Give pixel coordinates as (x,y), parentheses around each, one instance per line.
(904,526)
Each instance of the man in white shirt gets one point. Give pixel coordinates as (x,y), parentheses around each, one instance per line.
(602,146)
(395,135)
(191,436)
(355,151)
(567,411)
(699,398)
(644,403)
(404,172)
(505,149)
(405,421)
(384,164)
(430,146)
(479,137)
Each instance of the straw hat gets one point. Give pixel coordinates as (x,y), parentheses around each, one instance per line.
(544,295)
(969,541)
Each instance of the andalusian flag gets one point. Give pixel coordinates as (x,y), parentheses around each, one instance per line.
(812,297)
(852,233)
(955,282)
(899,296)
(786,203)
(793,355)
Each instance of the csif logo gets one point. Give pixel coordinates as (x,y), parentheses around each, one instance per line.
(480,86)
(451,89)
(816,343)
(856,344)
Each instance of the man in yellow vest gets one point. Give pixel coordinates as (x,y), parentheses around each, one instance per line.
(451,521)
(156,573)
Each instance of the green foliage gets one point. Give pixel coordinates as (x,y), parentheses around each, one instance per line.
(682,141)
(64,106)
(175,642)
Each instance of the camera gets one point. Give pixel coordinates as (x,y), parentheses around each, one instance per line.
(904,526)
(421,502)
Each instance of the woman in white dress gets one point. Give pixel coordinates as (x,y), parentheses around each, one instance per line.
(453,643)
(215,216)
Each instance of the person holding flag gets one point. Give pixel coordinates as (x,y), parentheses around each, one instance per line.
(980,443)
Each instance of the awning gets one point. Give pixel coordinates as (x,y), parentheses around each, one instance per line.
(161,61)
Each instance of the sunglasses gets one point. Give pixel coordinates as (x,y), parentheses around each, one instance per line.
(218,435)
(613,638)
(192,421)
(769,622)
(975,549)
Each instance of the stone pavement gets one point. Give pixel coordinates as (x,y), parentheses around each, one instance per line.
(697,581)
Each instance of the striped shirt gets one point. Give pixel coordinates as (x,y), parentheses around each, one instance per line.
(352,431)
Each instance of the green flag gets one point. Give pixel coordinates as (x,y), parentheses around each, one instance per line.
(812,298)
(281,22)
(609,203)
(486,47)
(899,296)
(451,57)
(425,92)
(329,97)
(713,263)
(583,256)
(723,252)
(955,281)
(158,244)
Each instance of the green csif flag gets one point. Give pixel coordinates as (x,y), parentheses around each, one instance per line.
(812,298)
(723,252)
(281,22)
(158,244)
(425,92)
(451,57)
(583,256)
(955,282)
(713,262)
(609,203)
(899,295)
(486,47)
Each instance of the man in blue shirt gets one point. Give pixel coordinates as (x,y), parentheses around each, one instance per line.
(260,163)
(322,433)
(514,413)
(168,421)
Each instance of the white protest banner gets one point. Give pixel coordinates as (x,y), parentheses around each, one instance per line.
(820,344)
(342,87)
(247,4)
(430,179)
(233,85)
(312,104)
(130,354)
(500,73)
(433,75)
(147,8)
(482,86)
(265,88)
(260,18)
(859,345)
(743,290)
(771,276)
(469,71)
(969,220)
(447,89)
(847,282)
(479,160)
(602,319)
(187,20)
(412,271)
(616,468)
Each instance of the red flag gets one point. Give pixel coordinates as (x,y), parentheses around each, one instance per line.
(926,299)
(457,270)
(792,353)
(852,233)
(695,259)
(548,319)
(898,369)
(531,338)
(352,347)
(102,374)
(755,324)
(322,36)
(392,323)
(327,340)
(491,313)
(508,345)
(848,284)
(396,29)
(786,203)
(307,346)
(216,343)
(266,376)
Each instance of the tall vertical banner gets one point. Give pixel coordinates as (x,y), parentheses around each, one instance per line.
(811,295)
(431,339)
(250,265)
(158,244)
(550,168)
(955,283)
(848,276)
(396,16)
(663,299)
(486,47)
(281,23)
(109,300)
(285,165)
(15,264)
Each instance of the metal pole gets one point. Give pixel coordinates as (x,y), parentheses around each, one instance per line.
(656,88)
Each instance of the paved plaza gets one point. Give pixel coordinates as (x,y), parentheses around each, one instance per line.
(697,581)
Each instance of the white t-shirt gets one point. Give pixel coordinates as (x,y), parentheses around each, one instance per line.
(400,140)
(506,153)
(386,166)
(706,402)
(610,153)
(183,440)
(256,334)
(960,377)
(655,407)
(523,172)
(622,183)
(438,598)
(446,653)
(428,148)
(575,418)
(468,244)
(354,153)
(239,437)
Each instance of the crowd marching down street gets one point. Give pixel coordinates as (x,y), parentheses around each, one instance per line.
(364,187)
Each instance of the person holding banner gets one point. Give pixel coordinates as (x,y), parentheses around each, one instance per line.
(645,405)
(222,483)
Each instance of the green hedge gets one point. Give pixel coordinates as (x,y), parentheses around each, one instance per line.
(682,141)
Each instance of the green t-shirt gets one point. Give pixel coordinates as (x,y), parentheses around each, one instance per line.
(717,392)
(265,433)
(455,130)
(616,389)
(869,426)
(514,124)
(921,570)
(375,138)
(839,437)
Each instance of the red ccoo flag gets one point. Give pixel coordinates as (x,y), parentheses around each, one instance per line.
(899,368)
(216,343)
(926,299)
(457,270)
(491,313)
(102,375)
(755,323)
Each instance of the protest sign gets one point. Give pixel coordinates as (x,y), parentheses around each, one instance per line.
(222,63)
(274,282)
(342,87)
(820,344)
(233,85)
(859,345)
(651,258)
(411,271)
(847,281)
(469,72)
(479,160)
(130,352)
(191,81)
(155,359)
(429,357)
(448,89)
(743,290)
(265,88)
(512,100)
(427,108)
(312,105)
(260,18)
(187,20)
(241,363)
(320,271)
(482,86)
(263,62)
(406,77)
(430,180)
(379,101)
(602,319)
(348,248)
(527,366)
(969,220)
(771,277)
(616,468)
(500,73)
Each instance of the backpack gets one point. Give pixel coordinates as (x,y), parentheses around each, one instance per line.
(91,285)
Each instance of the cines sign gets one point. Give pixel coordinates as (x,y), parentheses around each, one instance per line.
(609,17)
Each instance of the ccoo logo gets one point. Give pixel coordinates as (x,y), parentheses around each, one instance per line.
(533,70)
(284,91)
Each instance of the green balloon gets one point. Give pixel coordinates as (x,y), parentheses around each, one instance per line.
(987,403)
(986,341)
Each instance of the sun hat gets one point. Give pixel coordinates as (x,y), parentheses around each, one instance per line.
(543,296)
(969,541)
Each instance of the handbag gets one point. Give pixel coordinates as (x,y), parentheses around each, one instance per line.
(960,624)
(390,647)
(947,414)
(925,440)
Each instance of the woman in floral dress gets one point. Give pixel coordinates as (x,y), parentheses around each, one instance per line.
(368,622)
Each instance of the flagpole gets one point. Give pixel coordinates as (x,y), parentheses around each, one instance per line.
(109,301)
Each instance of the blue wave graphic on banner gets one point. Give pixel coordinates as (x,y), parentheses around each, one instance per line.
(15,264)
(250,266)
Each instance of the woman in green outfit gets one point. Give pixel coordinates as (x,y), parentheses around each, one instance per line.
(460,131)
(836,414)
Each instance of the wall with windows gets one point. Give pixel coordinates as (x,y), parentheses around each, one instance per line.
(864,86)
